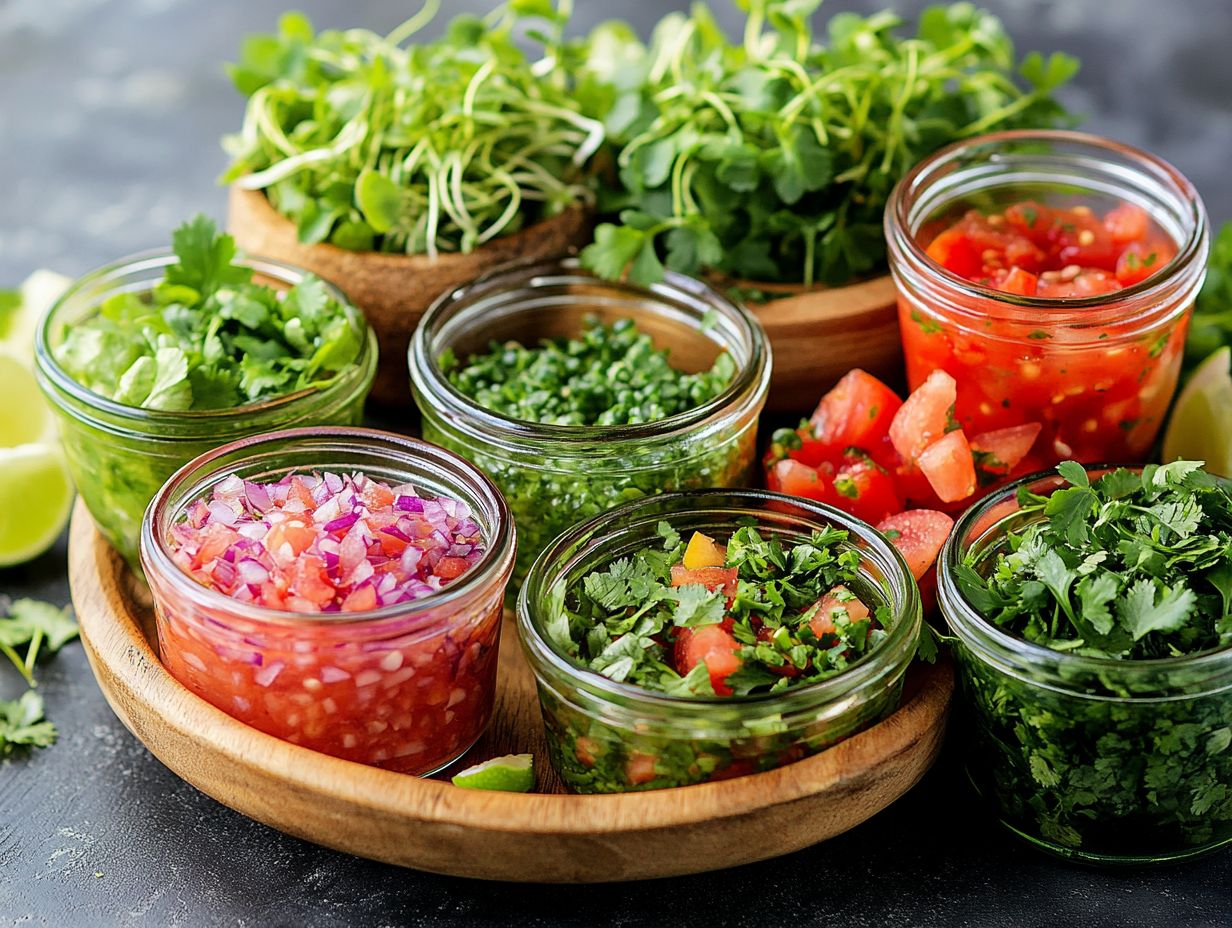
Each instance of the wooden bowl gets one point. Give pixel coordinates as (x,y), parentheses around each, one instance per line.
(394,290)
(547,836)
(819,334)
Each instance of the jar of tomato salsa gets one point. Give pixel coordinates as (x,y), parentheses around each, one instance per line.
(407,684)
(1052,274)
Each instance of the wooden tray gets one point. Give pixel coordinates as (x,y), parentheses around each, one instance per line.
(431,825)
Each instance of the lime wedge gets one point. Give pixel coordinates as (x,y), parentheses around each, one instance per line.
(513,773)
(36,494)
(1201,425)
(38,291)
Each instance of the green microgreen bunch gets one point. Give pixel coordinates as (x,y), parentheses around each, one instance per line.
(1130,566)
(208,337)
(370,144)
(772,158)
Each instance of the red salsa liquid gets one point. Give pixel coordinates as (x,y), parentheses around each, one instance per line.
(1099,394)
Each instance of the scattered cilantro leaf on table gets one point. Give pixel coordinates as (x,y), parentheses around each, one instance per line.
(22,723)
(42,629)
(208,336)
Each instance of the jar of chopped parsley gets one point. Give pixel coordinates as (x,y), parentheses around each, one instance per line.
(1093,615)
(576,394)
(158,358)
(711,634)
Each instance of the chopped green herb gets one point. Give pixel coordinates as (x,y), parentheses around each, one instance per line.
(1128,568)
(1039,333)
(42,629)
(927,326)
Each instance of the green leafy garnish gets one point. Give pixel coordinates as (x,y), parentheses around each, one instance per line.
(1211,326)
(610,375)
(1126,567)
(371,144)
(772,159)
(39,628)
(209,337)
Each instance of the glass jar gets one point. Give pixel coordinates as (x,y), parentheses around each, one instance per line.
(410,686)
(555,476)
(1094,759)
(606,736)
(120,455)
(1098,373)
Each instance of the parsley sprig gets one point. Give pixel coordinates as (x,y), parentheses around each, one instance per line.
(621,621)
(1132,566)
(208,336)
(771,159)
(40,629)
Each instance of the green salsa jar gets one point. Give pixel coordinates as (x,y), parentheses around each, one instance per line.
(554,476)
(1095,759)
(121,455)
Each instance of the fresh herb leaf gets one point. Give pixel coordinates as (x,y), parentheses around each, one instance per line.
(22,723)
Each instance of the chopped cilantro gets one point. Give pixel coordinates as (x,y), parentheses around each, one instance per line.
(1128,568)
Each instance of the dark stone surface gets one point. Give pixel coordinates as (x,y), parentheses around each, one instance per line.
(110,112)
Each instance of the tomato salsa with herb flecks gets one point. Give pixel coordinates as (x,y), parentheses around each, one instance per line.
(1098,389)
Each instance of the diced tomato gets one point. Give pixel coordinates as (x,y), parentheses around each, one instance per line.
(1062,285)
(1126,223)
(450,568)
(797,479)
(856,413)
(838,599)
(299,535)
(311,581)
(703,552)
(1001,450)
(1034,220)
(918,534)
(1137,263)
(1024,283)
(1083,240)
(217,538)
(300,493)
(924,416)
(375,496)
(954,251)
(640,768)
(712,578)
(586,750)
(360,599)
(712,645)
(949,466)
(866,490)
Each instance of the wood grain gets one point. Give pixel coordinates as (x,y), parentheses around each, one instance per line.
(394,290)
(430,825)
(819,334)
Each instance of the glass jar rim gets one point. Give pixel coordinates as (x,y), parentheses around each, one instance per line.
(974,630)
(206,419)
(751,378)
(1150,290)
(497,558)
(890,560)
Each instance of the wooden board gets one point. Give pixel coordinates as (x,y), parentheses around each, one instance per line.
(430,825)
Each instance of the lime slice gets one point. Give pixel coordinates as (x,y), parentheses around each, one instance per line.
(38,291)
(1201,425)
(36,494)
(513,773)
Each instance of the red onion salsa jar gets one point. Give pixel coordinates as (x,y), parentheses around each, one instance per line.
(407,686)
(1097,372)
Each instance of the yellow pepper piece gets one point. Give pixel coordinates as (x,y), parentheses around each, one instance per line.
(703,552)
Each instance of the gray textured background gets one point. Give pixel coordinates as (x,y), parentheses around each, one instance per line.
(110,112)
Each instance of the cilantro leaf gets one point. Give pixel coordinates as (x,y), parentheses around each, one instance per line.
(696,605)
(1142,613)
(22,723)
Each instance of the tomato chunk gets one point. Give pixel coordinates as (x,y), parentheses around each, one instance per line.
(797,479)
(918,534)
(1000,450)
(924,416)
(866,490)
(949,467)
(712,578)
(640,768)
(856,413)
(838,600)
(712,645)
